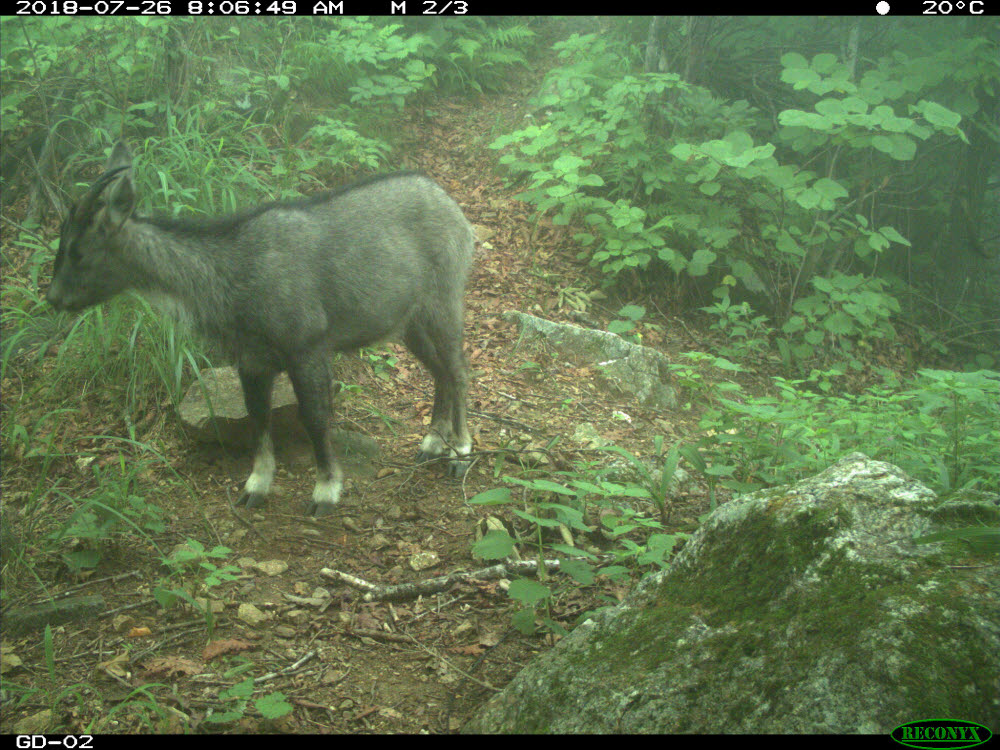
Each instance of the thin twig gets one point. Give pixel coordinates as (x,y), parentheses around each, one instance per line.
(374,592)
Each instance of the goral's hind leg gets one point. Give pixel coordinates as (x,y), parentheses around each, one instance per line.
(442,355)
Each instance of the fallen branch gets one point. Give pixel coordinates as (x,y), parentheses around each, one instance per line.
(374,592)
(290,669)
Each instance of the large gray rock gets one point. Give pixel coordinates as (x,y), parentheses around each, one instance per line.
(212,411)
(637,370)
(805,608)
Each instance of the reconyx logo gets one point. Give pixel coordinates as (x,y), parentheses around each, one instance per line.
(941,733)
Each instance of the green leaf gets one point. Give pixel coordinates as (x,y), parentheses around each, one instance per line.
(549,523)
(877,242)
(829,189)
(813,337)
(528,592)
(495,496)
(568,163)
(574,552)
(794,324)
(800,78)
(547,486)
(787,244)
(273,706)
(555,627)
(579,570)
(839,324)
(935,114)
(684,151)
(567,516)
(824,62)
(794,60)
(898,146)
(166,598)
(495,545)
(854,104)
(893,236)
(979,538)
(632,312)
(223,717)
(241,690)
(700,262)
(524,621)
(831,108)
(739,140)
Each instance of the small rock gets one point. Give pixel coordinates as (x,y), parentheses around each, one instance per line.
(424,560)
(249,614)
(271,567)
(39,723)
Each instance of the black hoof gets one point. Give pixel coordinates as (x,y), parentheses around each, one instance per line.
(423,457)
(456,467)
(252,499)
(318,510)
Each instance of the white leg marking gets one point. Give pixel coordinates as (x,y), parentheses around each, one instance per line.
(328,492)
(433,445)
(462,449)
(263,470)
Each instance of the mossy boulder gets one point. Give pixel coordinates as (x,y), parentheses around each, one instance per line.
(806,608)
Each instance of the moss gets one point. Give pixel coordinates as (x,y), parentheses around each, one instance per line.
(752,565)
(788,607)
(744,594)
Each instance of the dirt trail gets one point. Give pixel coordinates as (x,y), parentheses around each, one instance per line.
(417,665)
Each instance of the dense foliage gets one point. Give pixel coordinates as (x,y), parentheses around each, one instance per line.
(790,211)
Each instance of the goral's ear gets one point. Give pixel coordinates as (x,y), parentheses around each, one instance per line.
(111,199)
(120,197)
(119,194)
(120,157)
